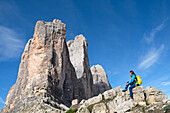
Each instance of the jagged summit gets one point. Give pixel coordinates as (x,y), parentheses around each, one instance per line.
(57,21)
(81,37)
(46,29)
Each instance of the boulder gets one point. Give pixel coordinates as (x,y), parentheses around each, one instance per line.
(93,100)
(126,106)
(154,96)
(99,108)
(100,80)
(74,102)
(112,93)
(139,96)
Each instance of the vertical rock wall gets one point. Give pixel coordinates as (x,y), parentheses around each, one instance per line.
(45,71)
(79,58)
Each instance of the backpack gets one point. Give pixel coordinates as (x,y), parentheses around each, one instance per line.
(139,81)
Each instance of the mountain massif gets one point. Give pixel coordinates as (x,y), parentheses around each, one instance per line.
(55,77)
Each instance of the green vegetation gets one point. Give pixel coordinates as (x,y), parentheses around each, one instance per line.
(167,107)
(107,100)
(143,109)
(72,110)
(80,109)
(90,107)
(137,104)
(146,103)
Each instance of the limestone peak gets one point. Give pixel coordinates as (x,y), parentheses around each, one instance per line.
(81,37)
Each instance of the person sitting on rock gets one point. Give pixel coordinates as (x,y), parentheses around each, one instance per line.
(132,83)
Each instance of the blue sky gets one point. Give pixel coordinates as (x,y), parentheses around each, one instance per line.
(121,34)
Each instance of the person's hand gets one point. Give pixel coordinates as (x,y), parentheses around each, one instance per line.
(126,83)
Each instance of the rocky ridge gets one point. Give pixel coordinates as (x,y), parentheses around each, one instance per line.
(149,100)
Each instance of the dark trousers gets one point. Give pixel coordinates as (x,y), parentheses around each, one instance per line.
(130,89)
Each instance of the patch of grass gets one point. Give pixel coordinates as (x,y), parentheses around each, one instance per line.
(80,109)
(75,109)
(146,103)
(107,100)
(167,107)
(114,97)
(143,109)
(90,107)
(130,110)
(72,110)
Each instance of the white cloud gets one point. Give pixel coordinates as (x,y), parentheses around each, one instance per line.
(10,45)
(165,83)
(114,73)
(2,101)
(151,36)
(151,58)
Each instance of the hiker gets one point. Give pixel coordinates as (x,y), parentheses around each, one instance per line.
(133,83)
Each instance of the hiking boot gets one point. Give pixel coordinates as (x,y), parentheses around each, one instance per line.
(124,90)
(130,98)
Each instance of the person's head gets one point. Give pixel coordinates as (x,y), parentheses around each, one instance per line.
(131,72)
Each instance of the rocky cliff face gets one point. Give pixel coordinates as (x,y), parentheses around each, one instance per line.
(100,80)
(116,101)
(45,71)
(79,58)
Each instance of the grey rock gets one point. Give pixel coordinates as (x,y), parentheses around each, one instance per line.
(99,108)
(154,96)
(93,100)
(112,93)
(126,106)
(79,58)
(39,108)
(116,101)
(74,102)
(83,110)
